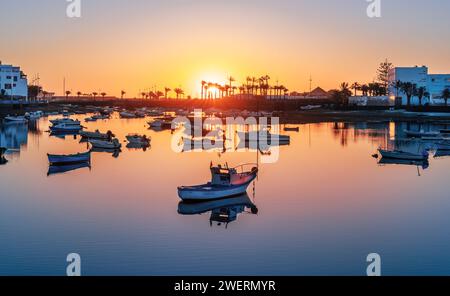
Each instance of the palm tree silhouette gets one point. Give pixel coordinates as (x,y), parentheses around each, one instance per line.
(203,87)
(179,92)
(122,93)
(409,89)
(68,94)
(103,94)
(94,94)
(446,95)
(356,86)
(79,94)
(420,93)
(167,90)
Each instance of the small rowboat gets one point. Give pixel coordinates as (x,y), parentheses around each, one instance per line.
(137,139)
(291,129)
(66,121)
(112,145)
(397,154)
(16,119)
(226,182)
(69,159)
(66,128)
(96,135)
(60,169)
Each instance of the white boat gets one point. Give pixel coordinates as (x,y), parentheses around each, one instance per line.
(225,182)
(17,119)
(63,127)
(137,139)
(156,124)
(113,145)
(34,115)
(397,154)
(66,121)
(420,134)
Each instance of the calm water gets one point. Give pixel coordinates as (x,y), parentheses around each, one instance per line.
(322,208)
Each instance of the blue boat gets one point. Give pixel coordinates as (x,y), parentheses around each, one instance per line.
(226,182)
(69,159)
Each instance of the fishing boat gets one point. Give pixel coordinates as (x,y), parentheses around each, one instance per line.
(54,159)
(66,121)
(16,119)
(112,145)
(291,129)
(63,127)
(34,115)
(225,182)
(138,139)
(420,134)
(127,115)
(397,154)
(96,135)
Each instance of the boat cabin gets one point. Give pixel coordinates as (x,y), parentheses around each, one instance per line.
(230,176)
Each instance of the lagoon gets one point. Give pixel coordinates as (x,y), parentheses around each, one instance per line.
(321,208)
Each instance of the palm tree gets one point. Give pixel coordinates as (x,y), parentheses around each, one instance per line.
(103,94)
(122,93)
(68,94)
(144,95)
(231,80)
(365,89)
(94,94)
(420,93)
(179,92)
(167,90)
(204,83)
(397,84)
(446,95)
(409,89)
(206,90)
(356,86)
(79,94)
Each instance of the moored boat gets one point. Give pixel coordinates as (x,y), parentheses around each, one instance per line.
(225,182)
(16,119)
(263,136)
(54,159)
(397,154)
(127,115)
(97,135)
(291,129)
(112,145)
(138,139)
(63,127)
(66,121)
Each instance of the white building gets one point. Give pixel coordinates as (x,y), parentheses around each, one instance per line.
(434,84)
(13,82)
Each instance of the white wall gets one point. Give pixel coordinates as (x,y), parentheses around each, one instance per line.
(10,75)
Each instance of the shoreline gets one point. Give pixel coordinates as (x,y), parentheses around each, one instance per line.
(286,116)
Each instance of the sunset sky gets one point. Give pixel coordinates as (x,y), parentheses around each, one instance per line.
(141,44)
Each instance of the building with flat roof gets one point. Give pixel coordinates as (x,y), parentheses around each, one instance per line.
(13,82)
(434,84)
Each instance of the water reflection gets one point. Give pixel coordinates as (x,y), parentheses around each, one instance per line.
(222,211)
(60,169)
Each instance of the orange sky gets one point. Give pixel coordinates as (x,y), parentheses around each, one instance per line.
(140,45)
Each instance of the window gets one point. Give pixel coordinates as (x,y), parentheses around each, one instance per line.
(8,86)
(8,77)
(14,85)
(15,78)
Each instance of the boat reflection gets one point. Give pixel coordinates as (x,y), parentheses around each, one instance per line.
(442,153)
(223,211)
(391,161)
(115,152)
(138,146)
(60,169)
